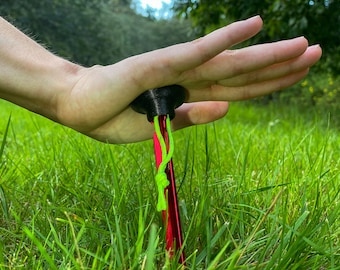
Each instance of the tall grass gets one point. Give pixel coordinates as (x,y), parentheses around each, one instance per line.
(258,190)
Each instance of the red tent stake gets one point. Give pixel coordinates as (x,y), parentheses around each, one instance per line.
(161,102)
(171,217)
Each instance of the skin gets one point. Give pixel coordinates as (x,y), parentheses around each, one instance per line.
(95,100)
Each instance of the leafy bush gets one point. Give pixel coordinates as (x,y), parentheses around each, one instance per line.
(322,90)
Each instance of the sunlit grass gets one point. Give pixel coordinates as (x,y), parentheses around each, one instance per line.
(258,190)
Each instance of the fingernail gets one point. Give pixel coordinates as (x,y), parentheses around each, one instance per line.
(254,17)
(315,46)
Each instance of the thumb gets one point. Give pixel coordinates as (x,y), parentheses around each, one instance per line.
(199,113)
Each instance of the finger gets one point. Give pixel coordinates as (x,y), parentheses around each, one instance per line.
(199,113)
(223,93)
(192,54)
(167,64)
(248,59)
(309,58)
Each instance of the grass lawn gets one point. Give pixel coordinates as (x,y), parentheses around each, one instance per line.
(258,190)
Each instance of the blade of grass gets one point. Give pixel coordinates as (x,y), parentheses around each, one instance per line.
(76,239)
(41,248)
(214,263)
(152,247)
(3,143)
(213,241)
(257,228)
(3,199)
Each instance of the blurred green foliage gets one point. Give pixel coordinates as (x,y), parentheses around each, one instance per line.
(92,32)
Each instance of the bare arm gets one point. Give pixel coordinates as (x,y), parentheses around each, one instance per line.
(95,101)
(31,76)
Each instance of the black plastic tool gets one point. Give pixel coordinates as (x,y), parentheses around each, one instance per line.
(160,101)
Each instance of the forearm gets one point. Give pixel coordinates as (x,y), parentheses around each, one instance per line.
(31,76)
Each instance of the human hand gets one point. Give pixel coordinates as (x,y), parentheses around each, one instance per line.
(98,103)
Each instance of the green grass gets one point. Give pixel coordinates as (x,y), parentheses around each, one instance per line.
(258,190)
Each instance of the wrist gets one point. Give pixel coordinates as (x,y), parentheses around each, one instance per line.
(62,78)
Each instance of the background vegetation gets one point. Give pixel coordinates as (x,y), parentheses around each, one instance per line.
(258,189)
(93,32)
